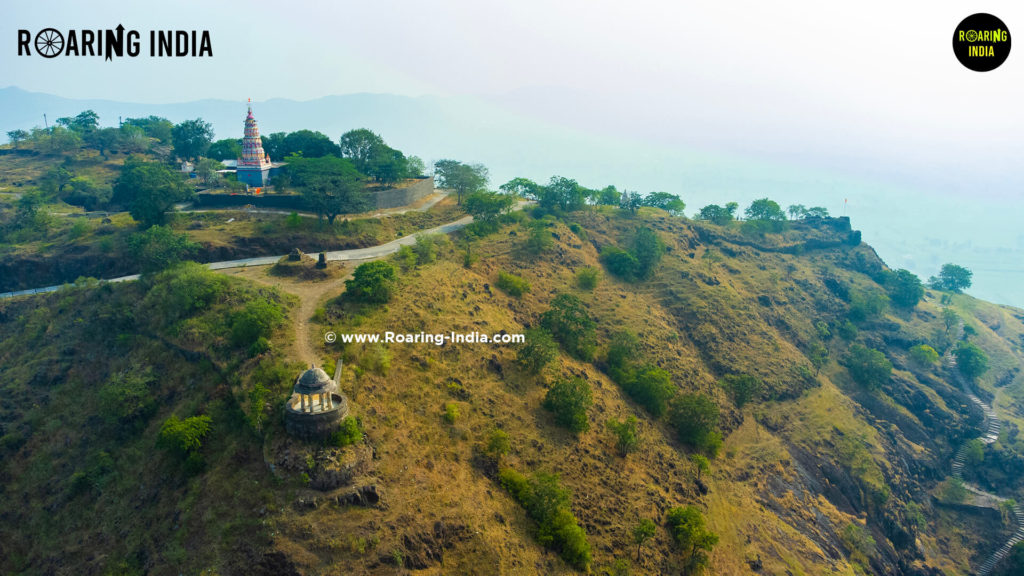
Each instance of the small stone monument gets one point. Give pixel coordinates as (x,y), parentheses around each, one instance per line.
(322,261)
(316,406)
(295,255)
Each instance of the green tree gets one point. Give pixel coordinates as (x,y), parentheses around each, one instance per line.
(686,525)
(924,355)
(642,532)
(695,420)
(105,139)
(415,167)
(630,201)
(372,282)
(207,169)
(522,187)
(255,321)
(950,318)
(309,144)
(569,401)
(359,146)
(184,437)
(904,288)
(627,439)
(487,206)
(153,127)
(742,388)
(226,149)
(765,210)
(547,503)
(816,212)
(82,191)
(868,367)
(970,360)
(867,304)
(953,278)
(158,248)
(387,165)
(273,145)
(149,189)
(17,136)
(797,211)
(667,202)
(84,123)
(647,248)
(330,185)
(498,444)
(463,178)
(974,452)
(192,138)
(564,194)
(651,387)
(538,239)
(608,196)
(701,463)
(716,214)
(818,355)
(567,320)
(587,277)
(620,263)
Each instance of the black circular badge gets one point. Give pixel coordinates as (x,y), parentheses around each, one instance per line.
(981,42)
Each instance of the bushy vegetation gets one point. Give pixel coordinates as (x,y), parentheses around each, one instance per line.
(627,438)
(537,351)
(868,367)
(184,438)
(952,277)
(511,284)
(547,503)
(372,282)
(971,360)
(695,420)
(640,261)
(648,385)
(252,325)
(924,355)
(687,527)
(569,399)
(568,322)
(588,277)
(742,388)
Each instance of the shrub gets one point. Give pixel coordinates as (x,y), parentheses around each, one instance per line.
(372,282)
(547,503)
(538,351)
(868,367)
(426,248)
(742,388)
(651,387)
(126,397)
(619,262)
(512,285)
(539,239)
(348,432)
(569,401)
(451,412)
(184,437)
(867,305)
(159,248)
(686,526)
(567,320)
(904,288)
(588,277)
(858,541)
(625,433)
(971,361)
(406,257)
(255,321)
(498,443)
(695,420)
(924,355)
(375,358)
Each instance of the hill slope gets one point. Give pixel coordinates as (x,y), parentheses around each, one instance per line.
(818,473)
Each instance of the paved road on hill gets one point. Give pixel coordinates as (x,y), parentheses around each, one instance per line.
(337,255)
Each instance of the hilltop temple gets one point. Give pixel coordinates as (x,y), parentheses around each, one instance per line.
(254,166)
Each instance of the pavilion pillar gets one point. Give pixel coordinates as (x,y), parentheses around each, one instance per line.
(302,401)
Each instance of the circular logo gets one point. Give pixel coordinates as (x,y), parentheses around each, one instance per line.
(981,42)
(49,43)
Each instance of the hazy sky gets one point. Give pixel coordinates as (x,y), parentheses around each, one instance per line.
(869,90)
(815,78)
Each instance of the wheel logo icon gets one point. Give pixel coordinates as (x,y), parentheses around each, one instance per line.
(49,43)
(972,35)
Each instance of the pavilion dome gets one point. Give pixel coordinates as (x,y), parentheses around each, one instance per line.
(313,381)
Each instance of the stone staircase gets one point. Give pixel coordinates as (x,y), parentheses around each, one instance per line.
(992,426)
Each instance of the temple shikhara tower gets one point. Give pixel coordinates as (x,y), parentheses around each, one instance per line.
(254,166)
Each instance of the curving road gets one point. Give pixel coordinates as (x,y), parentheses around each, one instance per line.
(337,255)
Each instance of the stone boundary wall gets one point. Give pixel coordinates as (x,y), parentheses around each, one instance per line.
(382,199)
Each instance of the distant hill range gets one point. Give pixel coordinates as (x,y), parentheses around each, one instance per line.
(539,133)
